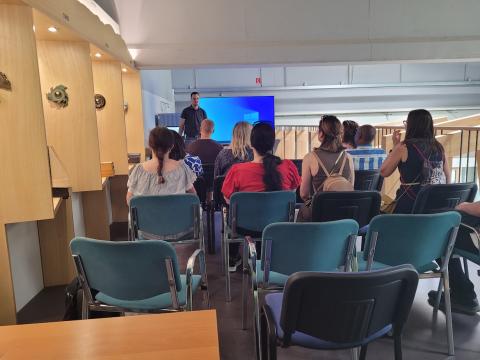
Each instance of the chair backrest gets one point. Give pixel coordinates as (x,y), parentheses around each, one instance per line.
(218,199)
(368,180)
(208,175)
(127,270)
(360,206)
(411,239)
(200,186)
(293,247)
(443,197)
(253,211)
(166,215)
(347,308)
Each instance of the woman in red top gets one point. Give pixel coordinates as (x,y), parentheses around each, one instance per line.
(266,172)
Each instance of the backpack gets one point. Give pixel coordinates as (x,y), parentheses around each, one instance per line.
(432,171)
(335,181)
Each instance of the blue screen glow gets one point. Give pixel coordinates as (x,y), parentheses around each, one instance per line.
(227,111)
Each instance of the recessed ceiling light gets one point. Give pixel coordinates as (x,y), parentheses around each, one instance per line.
(124,69)
(98,55)
(33,28)
(52,29)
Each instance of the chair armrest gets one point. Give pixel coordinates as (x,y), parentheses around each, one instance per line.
(191,264)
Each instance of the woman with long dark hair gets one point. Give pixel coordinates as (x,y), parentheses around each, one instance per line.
(266,172)
(420,159)
(179,153)
(161,175)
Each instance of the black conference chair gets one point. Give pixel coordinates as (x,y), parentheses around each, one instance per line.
(368,180)
(338,310)
(361,206)
(443,197)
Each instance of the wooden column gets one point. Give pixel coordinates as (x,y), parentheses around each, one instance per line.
(71,130)
(25,181)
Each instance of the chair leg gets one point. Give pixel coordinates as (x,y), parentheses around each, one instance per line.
(397,343)
(258,329)
(465,267)
(363,352)
(439,296)
(448,313)
(244,288)
(354,353)
(85,310)
(227,273)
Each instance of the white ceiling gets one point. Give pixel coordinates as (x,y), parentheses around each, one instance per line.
(181,33)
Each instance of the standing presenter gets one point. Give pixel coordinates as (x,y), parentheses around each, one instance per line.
(191,118)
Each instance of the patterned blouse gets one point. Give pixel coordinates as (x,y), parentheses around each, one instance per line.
(194,163)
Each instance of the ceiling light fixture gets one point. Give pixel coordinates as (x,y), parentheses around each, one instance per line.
(52,29)
(124,69)
(98,55)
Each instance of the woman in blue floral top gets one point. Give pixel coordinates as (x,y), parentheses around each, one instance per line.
(178,152)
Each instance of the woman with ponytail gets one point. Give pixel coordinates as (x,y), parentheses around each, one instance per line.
(266,172)
(161,175)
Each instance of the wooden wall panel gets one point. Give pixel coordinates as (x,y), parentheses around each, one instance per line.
(8,312)
(290,143)
(95,214)
(71,131)
(55,236)
(303,140)
(107,79)
(132,94)
(25,181)
(280,136)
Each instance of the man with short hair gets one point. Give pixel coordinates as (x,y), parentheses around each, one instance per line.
(205,148)
(191,119)
(365,156)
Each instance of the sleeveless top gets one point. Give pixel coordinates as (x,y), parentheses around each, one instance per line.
(413,174)
(328,158)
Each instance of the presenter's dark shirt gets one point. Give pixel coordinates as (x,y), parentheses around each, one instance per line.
(193,118)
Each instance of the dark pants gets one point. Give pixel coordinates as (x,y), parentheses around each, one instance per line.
(461,287)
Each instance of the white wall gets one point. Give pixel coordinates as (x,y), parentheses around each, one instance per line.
(157,96)
(367,91)
(25,261)
(232,32)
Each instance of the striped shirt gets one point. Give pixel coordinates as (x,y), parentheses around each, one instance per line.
(367,157)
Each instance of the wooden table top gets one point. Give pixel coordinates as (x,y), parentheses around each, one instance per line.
(185,335)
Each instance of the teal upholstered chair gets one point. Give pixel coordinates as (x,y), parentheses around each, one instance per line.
(292,247)
(174,218)
(139,276)
(417,240)
(249,213)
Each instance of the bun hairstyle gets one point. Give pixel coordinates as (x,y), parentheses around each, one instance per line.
(331,128)
(262,139)
(161,141)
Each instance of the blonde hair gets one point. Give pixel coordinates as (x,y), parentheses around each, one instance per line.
(241,140)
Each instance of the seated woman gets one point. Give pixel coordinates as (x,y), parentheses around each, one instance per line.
(239,150)
(179,153)
(330,157)
(420,159)
(161,175)
(266,172)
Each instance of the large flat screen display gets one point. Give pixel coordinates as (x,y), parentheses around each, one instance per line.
(227,111)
